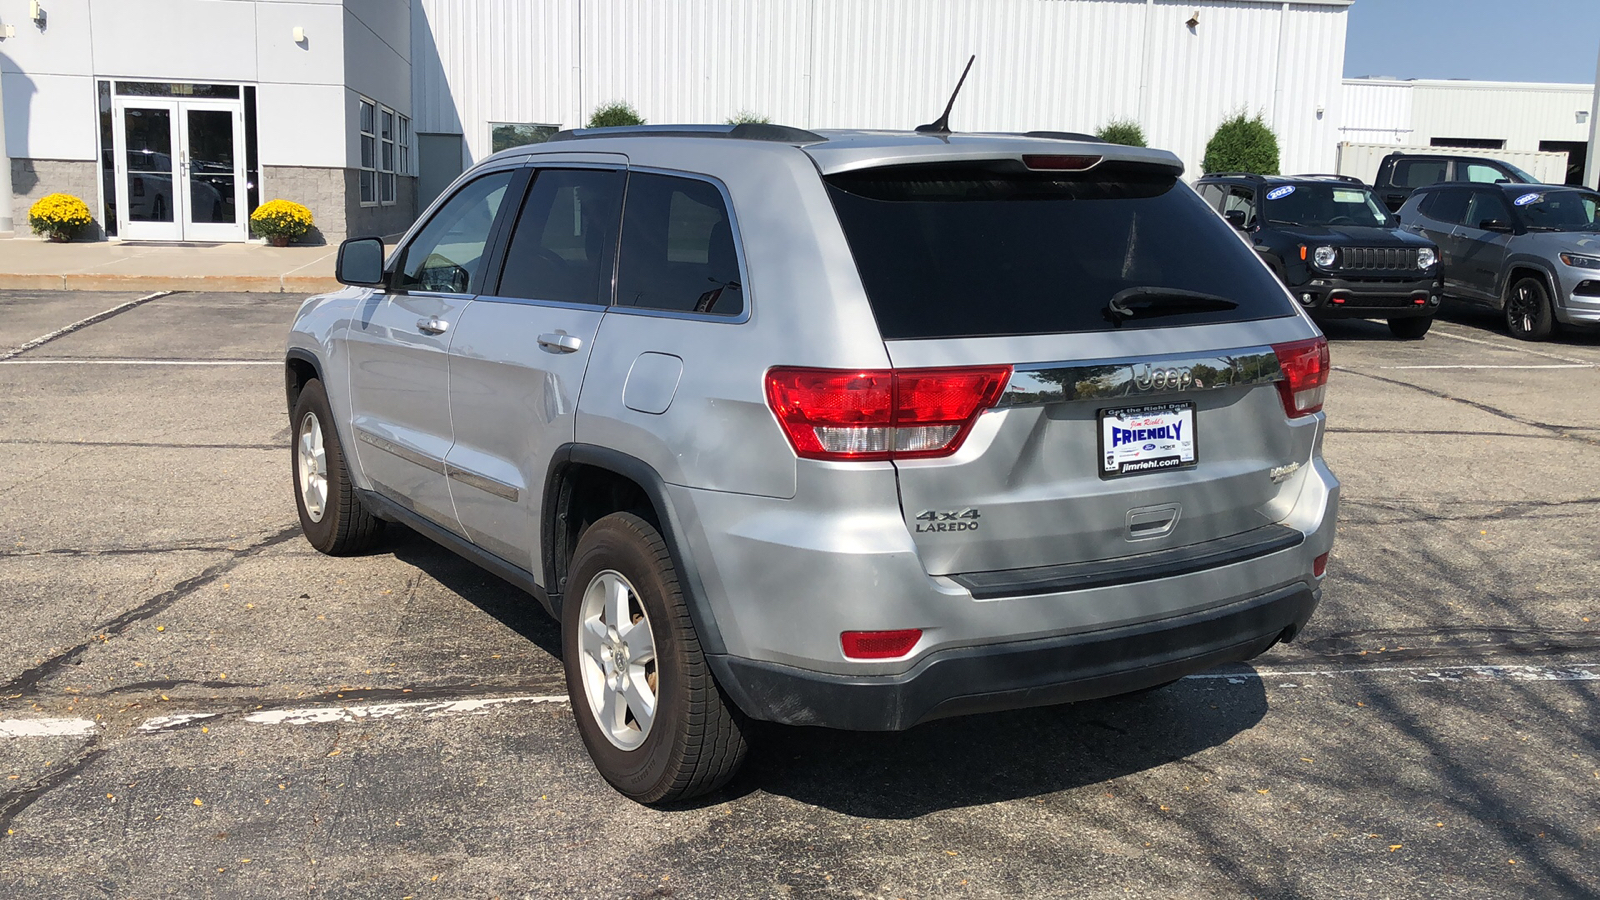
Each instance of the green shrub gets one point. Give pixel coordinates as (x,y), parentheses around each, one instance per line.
(1122,131)
(746,117)
(615,113)
(1242,145)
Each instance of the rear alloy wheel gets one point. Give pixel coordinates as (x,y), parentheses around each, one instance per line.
(1528,313)
(655,723)
(1410,329)
(331,513)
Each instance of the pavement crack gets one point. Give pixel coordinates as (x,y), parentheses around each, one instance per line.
(122,551)
(1461,641)
(158,445)
(28,682)
(12,804)
(1502,512)
(1568,432)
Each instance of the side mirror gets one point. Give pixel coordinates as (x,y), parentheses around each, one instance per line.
(1235,218)
(1499,225)
(360,262)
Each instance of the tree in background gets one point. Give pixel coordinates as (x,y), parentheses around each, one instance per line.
(746,117)
(1242,145)
(1122,131)
(615,113)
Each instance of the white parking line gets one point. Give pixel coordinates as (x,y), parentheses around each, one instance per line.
(139,362)
(46,727)
(81,323)
(1513,347)
(1545,366)
(432,709)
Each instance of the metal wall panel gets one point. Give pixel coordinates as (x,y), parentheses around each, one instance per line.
(1376,112)
(1520,114)
(1066,65)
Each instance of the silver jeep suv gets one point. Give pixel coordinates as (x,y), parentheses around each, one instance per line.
(852,429)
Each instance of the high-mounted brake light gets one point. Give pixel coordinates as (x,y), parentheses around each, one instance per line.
(1305,375)
(1059,162)
(879,414)
(879,644)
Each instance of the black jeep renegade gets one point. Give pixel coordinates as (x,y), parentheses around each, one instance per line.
(1341,254)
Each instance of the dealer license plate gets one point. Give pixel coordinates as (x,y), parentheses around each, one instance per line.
(1140,439)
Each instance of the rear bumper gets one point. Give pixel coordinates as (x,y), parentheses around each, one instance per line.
(1338,298)
(1019,674)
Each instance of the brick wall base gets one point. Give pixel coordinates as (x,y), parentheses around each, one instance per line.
(34,178)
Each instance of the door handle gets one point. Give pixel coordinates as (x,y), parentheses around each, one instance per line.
(432,325)
(560,342)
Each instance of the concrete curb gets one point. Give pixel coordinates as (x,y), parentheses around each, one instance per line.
(85,281)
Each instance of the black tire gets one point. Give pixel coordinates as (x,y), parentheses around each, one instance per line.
(1529,316)
(1410,329)
(345,526)
(696,739)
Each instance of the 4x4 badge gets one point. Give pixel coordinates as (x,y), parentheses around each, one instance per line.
(949,520)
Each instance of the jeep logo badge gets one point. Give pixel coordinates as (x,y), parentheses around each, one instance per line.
(1152,378)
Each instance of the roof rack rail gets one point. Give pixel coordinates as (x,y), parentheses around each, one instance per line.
(1350,178)
(749,131)
(1256,175)
(1065,136)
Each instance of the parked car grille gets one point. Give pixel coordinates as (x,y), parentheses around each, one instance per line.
(1359,259)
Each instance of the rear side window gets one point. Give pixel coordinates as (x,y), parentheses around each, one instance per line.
(677,248)
(565,238)
(1449,207)
(994,249)
(1418,172)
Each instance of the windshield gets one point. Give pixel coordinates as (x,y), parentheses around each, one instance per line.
(1324,204)
(969,249)
(1558,210)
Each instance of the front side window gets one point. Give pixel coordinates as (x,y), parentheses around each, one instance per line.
(447,254)
(566,238)
(992,248)
(1242,199)
(677,248)
(1486,206)
(1324,204)
(1481,173)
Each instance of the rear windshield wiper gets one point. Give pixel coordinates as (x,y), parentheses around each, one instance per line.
(1157,301)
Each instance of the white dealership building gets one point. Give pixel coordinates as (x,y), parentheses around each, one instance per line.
(174,118)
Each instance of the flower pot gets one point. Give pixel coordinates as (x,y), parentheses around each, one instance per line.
(57,237)
(278,240)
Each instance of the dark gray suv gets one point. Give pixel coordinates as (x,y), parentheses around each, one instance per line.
(849,429)
(1530,251)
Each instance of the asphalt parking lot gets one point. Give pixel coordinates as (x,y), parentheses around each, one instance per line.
(195,703)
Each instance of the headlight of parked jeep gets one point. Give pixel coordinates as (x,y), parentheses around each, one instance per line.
(1323,257)
(1426,258)
(1581,262)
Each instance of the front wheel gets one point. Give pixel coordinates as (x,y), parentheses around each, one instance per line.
(655,723)
(1528,313)
(331,513)
(1410,329)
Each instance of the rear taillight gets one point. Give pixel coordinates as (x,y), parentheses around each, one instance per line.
(1305,375)
(878,414)
(879,644)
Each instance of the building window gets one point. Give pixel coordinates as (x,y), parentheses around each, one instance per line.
(369,153)
(505,135)
(385,153)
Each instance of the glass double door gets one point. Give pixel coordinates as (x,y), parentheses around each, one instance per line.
(180,169)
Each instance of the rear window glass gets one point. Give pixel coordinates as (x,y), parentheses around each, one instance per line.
(994,249)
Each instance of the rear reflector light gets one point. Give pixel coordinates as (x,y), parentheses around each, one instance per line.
(1319,565)
(1060,163)
(879,414)
(879,644)
(1305,375)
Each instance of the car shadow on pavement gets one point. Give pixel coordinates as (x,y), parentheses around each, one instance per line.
(977,760)
(1354,330)
(510,605)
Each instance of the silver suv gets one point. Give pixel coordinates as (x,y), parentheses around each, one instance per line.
(850,429)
